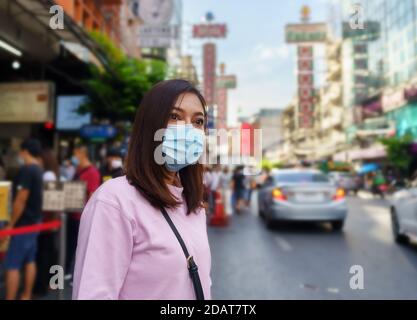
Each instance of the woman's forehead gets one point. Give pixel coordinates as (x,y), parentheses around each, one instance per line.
(189,102)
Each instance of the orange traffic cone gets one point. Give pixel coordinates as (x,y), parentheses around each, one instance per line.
(219,217)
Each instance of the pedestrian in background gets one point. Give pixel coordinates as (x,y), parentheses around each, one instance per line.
(214,186)
(88,173)
(27,210)
(127,248)
(47,254)
(67,170)
(239,189)
(113,165)
(225,186)
(207,179)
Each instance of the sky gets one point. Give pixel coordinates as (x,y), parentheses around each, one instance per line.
(255,49)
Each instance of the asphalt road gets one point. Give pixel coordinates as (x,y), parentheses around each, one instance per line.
(304,261)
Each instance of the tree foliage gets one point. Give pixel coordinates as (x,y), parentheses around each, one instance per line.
(398,153)
(116,94)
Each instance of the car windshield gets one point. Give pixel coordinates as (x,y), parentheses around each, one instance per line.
(301,177)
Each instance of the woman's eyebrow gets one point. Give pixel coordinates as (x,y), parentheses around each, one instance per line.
(199,113)
(178,109)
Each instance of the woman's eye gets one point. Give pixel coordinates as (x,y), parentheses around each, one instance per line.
(199,122)
(174,116)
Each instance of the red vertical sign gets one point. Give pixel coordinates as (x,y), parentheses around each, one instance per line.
(209,72)
(221,108)
(305,86)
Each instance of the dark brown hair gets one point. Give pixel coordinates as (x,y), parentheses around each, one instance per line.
(142,171)
(50,162)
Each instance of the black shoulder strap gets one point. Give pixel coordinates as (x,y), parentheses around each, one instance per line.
(192,267)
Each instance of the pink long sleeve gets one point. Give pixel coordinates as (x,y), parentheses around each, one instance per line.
(126,249)
(104,252)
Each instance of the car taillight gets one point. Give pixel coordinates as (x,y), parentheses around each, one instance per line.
(339,195)
(277,194)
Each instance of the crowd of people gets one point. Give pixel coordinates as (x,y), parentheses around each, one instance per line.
(34,253)
(235,187)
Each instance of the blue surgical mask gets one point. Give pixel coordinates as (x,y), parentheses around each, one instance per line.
(182,146)
(75,161)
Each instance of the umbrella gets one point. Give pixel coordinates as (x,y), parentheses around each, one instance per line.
(368,167)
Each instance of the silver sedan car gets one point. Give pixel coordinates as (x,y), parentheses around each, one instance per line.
(404,213)
(302,195)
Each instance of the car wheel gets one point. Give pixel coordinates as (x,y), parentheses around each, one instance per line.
(261,212)
(270,224)
(337,225)
(398,236)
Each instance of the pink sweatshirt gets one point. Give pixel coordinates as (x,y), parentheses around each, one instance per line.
(126,249)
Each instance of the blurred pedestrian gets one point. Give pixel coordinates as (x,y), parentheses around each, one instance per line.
(214,186)
(27,206)
(127,248)
(239,189)
(207,179)
(67,170)
(225,186)
(88,173)
(113,165)
(47,254)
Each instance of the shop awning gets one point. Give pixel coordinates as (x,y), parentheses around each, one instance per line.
(368,167)
(34,15)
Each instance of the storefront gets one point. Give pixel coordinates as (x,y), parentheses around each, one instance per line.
(401,108)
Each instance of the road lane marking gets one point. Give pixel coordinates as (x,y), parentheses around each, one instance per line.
(333,290)
(283,244)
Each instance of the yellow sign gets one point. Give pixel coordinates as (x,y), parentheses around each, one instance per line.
(305,13)
(5,200)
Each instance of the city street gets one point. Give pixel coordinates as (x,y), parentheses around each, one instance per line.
(312,262)
(304,261)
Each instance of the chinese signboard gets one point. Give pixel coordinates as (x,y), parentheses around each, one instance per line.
(371,108)
(209,72)
(29,102)
(306,32)
(209,31)
(221,108)
(305,86)
(227,82)
(369,32)
(393,100)
(157,36)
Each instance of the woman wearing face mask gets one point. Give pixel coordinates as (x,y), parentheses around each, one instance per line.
(143,235)
(113,167)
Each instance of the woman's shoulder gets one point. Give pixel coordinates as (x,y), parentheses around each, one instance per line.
(114,190)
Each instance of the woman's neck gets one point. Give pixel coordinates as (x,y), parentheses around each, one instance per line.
(172,179)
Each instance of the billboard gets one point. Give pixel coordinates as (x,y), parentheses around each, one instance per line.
(28,102)
(209,72)
(67,117)
(157,36)
(306,32)
(209,31)
(221,99)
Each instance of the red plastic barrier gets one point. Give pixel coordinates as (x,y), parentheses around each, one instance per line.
(30,229)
